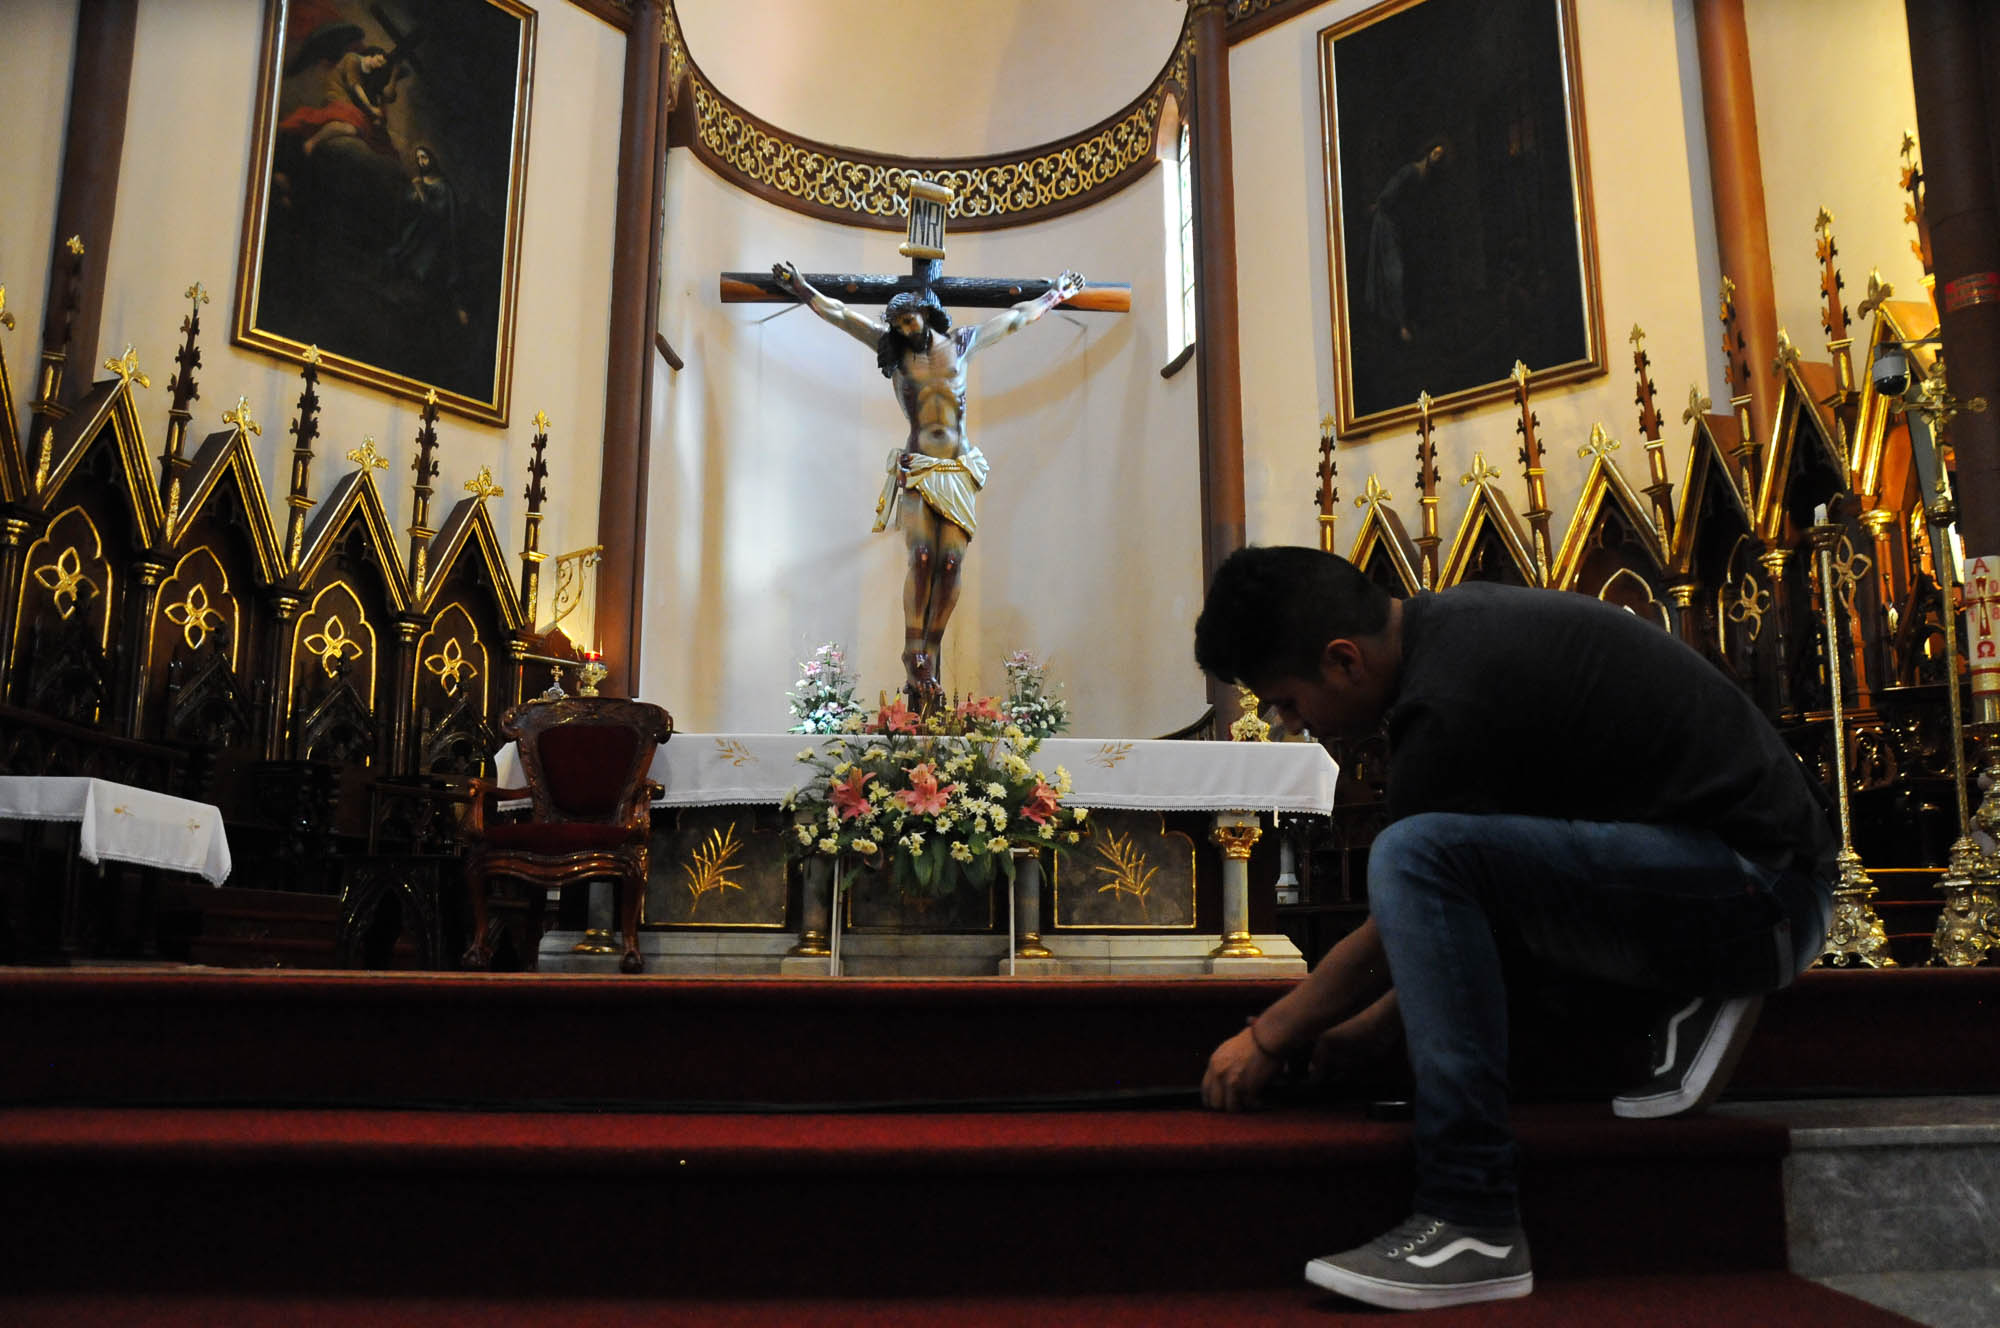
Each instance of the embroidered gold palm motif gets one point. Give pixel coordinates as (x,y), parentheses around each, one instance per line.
(734,752)
(1111,753)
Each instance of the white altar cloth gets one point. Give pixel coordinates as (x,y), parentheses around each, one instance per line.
(123,823)
(733,769)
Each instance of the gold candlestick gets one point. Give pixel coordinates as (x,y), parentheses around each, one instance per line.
(1856,929)
(1969,923)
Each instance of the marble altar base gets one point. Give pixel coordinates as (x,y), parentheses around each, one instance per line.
(918,955)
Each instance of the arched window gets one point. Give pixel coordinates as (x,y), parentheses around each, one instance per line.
(1178,156)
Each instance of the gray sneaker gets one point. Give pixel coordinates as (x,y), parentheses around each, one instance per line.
(1428,1262)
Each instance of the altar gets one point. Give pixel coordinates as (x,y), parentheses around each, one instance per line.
(1177,877)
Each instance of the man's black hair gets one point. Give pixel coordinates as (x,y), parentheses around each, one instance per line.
(1271,611)
(889,350)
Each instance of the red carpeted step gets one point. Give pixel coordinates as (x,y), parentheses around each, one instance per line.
(1740,1300)
(812,1205)
(469,1039)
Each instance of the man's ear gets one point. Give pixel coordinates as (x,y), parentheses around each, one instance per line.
(1341,657)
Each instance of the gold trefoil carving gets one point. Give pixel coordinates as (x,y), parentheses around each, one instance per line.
(448,665)
(63,577)
(1749,605)
(192,615)
(708,868)
(331,643)
(815,174)
(1125,867)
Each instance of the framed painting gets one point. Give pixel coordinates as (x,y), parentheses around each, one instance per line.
(1459,222)
(383,221)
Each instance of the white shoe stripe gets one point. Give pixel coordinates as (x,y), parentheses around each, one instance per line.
(1674,1035)
(1456,1248)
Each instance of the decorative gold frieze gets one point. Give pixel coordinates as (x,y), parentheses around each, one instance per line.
(867,190)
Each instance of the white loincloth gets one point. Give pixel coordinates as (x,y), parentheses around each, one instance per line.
(949,485)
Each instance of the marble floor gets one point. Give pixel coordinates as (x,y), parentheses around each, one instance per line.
(1896,1201)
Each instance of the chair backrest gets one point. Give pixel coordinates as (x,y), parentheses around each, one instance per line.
(585,757)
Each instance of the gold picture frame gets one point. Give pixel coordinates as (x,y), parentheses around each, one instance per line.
(1460,231)
(382,222)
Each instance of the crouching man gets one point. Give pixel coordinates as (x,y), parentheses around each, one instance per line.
(1565,781)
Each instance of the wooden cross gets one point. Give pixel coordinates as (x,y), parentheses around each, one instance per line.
(925,248)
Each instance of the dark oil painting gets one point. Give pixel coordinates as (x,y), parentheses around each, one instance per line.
(1459,209)
(385,198)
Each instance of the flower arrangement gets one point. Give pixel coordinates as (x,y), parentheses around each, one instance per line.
(1028,706)
(823,702)
(939,798)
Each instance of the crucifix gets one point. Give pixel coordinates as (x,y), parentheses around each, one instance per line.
(932,481)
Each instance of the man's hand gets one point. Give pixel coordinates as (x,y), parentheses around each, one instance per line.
(1237,1075)
(787,275)
(1067,285)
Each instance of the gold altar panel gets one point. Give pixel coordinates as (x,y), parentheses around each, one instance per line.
(721,867)
(66,578)
(1131,874)
(874,903)
(196,605)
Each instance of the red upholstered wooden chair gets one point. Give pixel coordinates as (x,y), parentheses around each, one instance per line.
(585,760)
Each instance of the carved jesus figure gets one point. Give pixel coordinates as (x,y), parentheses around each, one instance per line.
(934,479)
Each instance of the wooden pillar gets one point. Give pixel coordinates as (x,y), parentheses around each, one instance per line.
(1965,244)
(88,196)
(621,492)
(1959,170)
(1218,369)
(1736,173)
(656,229)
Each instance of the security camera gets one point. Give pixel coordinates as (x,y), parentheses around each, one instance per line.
(1891,370)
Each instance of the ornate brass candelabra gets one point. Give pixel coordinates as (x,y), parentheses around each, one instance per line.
(1968,925)
(1856,930)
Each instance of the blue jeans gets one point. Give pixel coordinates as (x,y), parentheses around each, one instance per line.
(1656,907)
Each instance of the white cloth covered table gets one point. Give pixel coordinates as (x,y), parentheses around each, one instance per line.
(123,823)
(729,769)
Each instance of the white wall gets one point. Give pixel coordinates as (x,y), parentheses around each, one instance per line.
(1833,96)
(1088,548)
(37,45)
(954,78)
(183,177)
(1647,232)
(1833,101)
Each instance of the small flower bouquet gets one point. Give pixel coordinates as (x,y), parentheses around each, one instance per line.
(823,702)
(1029,706)
(938,799)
